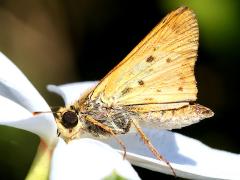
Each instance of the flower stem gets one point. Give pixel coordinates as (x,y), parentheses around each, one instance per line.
(41,164)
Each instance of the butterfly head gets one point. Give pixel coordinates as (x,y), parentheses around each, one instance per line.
(68,123)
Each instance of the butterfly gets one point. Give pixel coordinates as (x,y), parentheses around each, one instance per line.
(153,86)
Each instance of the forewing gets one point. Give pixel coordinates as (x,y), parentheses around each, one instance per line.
(160,69)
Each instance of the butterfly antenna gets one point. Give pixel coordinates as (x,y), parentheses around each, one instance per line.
(54,110)
(41,112)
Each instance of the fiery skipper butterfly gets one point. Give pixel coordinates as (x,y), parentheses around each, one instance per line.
(153,86)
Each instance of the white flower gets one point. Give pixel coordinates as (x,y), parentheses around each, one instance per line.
(83,158)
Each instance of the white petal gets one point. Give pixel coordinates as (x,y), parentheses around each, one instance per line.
(14,115)
(11,111)
(71,92)
(18,98)
(190,158)
(88,159)
(15,86)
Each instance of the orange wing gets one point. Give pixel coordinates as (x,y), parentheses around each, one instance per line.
(160,69)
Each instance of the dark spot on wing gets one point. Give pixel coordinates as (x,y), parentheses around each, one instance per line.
(148,99)
(182,77)
(180,88)
(168,60)
(140,82)
(159,90)
(150,59)
(126,90)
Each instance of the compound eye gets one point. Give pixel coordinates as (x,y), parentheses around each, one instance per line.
(69,119)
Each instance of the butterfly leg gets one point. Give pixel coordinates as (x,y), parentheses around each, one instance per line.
(58,133)
(150,146)
(109,130)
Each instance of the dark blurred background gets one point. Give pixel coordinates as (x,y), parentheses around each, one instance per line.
(60,42)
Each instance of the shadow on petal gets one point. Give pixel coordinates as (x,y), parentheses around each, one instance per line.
(163,141)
